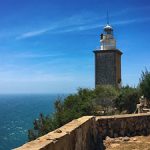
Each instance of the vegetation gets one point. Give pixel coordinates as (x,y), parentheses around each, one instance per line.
(84,102)
(104,100)
(127,99)
(145,84)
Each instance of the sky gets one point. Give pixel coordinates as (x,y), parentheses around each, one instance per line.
(46,46)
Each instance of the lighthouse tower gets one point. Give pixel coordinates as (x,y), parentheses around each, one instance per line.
(108,60)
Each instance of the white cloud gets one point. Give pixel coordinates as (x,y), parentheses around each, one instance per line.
(34,33)
(136,20)
(34,55)
(83,21)
(63,25)
(79,28)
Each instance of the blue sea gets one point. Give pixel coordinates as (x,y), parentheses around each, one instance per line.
(17,113)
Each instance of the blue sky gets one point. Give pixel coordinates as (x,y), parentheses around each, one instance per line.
(46,45)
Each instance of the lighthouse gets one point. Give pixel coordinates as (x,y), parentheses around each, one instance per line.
(108,59)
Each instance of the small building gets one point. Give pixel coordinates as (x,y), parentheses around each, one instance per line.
(108,60)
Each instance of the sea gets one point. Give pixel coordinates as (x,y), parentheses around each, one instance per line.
(17,113)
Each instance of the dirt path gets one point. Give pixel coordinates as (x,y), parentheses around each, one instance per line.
(126,143)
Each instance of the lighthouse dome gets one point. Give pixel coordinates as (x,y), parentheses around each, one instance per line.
(108,28)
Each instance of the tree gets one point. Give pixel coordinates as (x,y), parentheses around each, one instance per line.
(73,107)
(42,125)
(127,99)
(105,96)
(145,84)
(79,104)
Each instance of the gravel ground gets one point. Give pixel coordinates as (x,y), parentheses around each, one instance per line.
(126,143)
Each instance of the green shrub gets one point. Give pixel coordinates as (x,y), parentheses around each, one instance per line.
(104,96)
(73,106)
(127,99)
(145,84)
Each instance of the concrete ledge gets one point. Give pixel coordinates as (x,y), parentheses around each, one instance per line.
(74,134)
(122,116)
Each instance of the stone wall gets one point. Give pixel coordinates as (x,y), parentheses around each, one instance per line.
(123,125)
(80,134)
(87,133)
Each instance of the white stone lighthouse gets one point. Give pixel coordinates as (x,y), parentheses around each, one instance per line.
(108,60)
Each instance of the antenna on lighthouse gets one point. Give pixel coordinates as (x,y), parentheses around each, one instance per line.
(107,17)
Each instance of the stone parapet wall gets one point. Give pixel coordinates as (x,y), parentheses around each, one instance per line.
(87,133)
(123,125)
(80,134)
